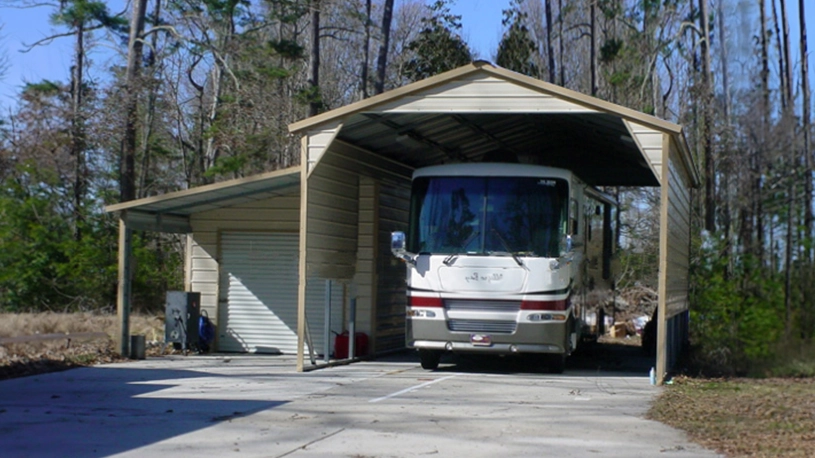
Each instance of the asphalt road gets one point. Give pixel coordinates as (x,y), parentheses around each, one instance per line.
(223,405)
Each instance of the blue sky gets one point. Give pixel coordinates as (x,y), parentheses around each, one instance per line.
(481,20)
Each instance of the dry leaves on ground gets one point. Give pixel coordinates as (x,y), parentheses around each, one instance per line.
(743,417)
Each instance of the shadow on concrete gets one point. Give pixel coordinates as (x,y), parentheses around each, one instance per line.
(103,411)
(602,359)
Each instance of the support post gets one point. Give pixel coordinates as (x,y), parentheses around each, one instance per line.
(662,303)
(123,293)
(327,322)
(352,328)
(301,288)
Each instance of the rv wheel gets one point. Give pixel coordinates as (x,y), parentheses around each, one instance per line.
(430,359)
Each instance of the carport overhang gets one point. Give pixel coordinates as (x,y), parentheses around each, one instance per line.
(171,213)
(480,112)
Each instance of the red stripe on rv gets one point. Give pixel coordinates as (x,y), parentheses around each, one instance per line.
(418,301)
(545,305)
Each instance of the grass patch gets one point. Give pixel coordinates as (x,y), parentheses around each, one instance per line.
(743,417)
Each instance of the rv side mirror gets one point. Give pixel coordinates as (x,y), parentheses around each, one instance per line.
(398,242)
(398,247)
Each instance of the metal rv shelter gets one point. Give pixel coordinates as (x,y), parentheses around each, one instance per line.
(280,258)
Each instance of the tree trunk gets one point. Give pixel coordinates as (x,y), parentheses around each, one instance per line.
(382,61)
(758,163)
(363,83)
(806,126)
(314,59)
(561,67)
(707,113)
(134,57)
(150,112)
(78,128)
(727,164)
(787,75)
(549,49)
(593,47)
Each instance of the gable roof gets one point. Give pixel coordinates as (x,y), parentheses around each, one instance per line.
(479,110)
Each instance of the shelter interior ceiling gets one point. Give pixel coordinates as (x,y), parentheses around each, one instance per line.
(596,146)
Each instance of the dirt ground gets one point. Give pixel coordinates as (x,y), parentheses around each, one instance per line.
(743,417)
(23,359)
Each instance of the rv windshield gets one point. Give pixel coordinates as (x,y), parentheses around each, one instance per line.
(488,215)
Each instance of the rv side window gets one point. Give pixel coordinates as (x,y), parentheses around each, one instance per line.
(573,212)
(608,240)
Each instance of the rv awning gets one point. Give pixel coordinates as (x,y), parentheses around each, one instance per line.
(170,212)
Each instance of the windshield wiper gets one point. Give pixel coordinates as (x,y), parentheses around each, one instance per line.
(506,247)
(449,259)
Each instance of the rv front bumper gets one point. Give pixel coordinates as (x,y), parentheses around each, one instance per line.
(498,349)
(527,338)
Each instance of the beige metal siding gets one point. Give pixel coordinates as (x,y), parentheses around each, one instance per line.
(482,93)
(332,219)
(676,229)
(344,234)
(674,248)
(203,273)
(650,143)
(275,214)
(394,203)
(318,142)
(365,275)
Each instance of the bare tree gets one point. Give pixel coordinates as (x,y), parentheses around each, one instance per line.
(707,113)
(314,59)
(382,61)
(550,53)
(127,172)
(806,128)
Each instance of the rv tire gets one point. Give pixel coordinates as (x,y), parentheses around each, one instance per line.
(430,359)
(555,362)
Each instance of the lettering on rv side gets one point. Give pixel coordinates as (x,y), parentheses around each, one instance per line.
(475,277)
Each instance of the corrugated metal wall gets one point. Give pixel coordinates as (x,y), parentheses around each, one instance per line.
(356,175)
(480,92)
(259,275)
(677,216)
(280,214)
(394,206)
(333,191)
(674,258)
(365,276)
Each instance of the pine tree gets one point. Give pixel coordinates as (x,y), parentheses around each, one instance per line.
(439,47)
(516,49)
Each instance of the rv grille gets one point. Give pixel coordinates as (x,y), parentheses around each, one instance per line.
(493,327)
(482,306)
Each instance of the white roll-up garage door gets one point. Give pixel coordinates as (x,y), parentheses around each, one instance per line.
(258,312)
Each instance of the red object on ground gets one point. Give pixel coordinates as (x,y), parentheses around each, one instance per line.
(341,345)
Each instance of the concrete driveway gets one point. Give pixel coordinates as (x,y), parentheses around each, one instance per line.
(202,406)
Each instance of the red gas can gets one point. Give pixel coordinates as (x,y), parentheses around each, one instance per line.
(341,345)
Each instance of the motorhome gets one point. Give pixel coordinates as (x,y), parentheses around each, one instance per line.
(505,259)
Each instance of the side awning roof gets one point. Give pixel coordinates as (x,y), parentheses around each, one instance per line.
(170,212)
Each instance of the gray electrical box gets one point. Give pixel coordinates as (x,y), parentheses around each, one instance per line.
(181,313)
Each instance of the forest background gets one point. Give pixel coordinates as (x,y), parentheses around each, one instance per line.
(199,91)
